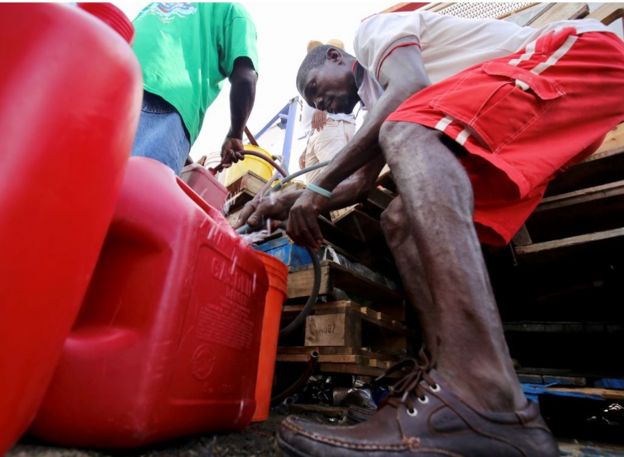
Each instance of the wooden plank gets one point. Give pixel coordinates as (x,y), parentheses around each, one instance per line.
(348,352)
(377,200)
(608,13)
(562,327)
(555,247)
(300,282)
(334,275)
(335,355)
(550,379)
(558,12)
(607,394)
(597,169)
(392,314)
(613,143)
(579,449)
(332,358)
(520,10)
(361,225)
(333,330)
(345,368)
(560,372)
(250,182)
(380,197)
(523,16)
(385,179)
(588,195)
(340,324)
(594,209)
(338,213)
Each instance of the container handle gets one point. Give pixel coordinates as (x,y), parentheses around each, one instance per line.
(208,209)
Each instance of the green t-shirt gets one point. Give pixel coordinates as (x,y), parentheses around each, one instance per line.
(186,50)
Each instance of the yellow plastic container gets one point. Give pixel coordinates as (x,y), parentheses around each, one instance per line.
(260,167)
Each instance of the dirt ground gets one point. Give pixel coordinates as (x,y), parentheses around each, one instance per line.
(257,440)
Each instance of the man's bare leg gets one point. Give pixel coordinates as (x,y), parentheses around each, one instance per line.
(399,239)
(462,326)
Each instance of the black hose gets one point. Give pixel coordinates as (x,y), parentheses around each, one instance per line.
(307,308)
(316,286)
(300,382)
(273,163)
(296,174)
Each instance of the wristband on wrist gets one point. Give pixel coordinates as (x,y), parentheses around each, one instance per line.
(319,190)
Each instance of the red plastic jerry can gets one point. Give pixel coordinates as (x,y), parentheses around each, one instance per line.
(167,340)
(70,97)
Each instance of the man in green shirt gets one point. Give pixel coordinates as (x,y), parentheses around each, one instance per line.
(186,51)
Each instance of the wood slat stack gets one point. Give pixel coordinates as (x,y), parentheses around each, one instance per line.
(562,287)
(359,325)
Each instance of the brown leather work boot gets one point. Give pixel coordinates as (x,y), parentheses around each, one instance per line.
(423,417)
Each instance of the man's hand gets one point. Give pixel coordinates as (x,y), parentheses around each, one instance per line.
(303,225)
(319,119)
(302,160)
(231,151)
(274,206)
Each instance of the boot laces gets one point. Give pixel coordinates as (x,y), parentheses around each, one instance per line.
(413,385)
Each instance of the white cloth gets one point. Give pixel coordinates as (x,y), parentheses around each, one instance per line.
(324,144)
(448,44)
(306,118)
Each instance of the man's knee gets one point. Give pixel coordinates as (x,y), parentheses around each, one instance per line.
(396,138)
(393,219)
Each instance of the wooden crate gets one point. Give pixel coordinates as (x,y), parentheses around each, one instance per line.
(350,338)
(339,360)
(335,276)
(249,182)
(346,323)
(582,214)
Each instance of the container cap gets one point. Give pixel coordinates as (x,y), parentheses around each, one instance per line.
(113,16)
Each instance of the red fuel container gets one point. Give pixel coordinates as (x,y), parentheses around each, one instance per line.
(205,184)
(168,337)
(70,97)
(277,272)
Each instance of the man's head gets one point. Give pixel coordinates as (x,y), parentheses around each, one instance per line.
(325,80)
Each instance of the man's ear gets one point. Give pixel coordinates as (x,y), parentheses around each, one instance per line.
(334,55)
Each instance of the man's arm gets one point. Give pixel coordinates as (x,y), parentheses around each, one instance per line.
(242,96)
(319,119)
(350,191)
(402,75)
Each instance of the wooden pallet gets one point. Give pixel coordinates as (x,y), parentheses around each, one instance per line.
(339,360)
(582,214)
(335,276)
(559,11)
(563,327)
(347,324)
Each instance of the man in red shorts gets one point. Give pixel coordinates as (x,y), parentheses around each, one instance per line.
(473,117)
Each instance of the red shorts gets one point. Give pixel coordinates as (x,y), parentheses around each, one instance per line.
(524,118)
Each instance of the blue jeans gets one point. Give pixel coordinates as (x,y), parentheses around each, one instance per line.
(161,134)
